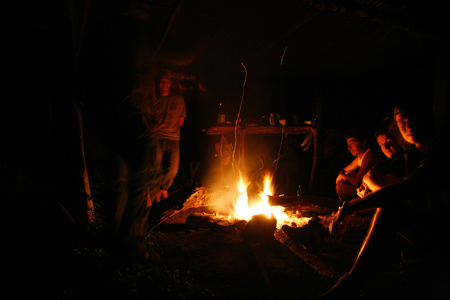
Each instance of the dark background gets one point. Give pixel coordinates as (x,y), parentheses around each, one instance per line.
(359,57)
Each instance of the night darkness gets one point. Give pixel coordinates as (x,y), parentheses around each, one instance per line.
(48,70)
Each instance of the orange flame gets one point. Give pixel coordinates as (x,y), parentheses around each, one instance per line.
(243,211)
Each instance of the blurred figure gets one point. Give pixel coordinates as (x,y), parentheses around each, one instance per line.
(169,113)
(130,161)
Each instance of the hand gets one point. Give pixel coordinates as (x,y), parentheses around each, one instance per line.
(362,190)
(336,217)
(162,194)
(340,177)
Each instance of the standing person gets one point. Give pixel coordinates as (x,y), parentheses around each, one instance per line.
(350,178)
(128,154)
(170,111)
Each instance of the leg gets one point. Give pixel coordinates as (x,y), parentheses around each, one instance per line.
(172,162)
(119,186)
(345,190)
(143,176)
(371,258)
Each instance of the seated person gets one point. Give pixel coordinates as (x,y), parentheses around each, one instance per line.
(416,206)
(386,137)
(351,176)
(402,158)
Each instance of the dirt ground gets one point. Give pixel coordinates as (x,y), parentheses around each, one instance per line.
(53,259)
(232,268)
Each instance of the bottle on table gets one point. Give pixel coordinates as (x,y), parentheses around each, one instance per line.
(221,114)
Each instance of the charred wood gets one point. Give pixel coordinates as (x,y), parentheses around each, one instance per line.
(320,205)
(260,229)
(212,222)
(300,250)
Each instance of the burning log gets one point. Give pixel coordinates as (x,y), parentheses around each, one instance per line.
(214,222)
(200,221)
(260,229)
(317,204)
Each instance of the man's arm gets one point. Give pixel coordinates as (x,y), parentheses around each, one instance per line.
(370,160)
(348,171)
(374,180)
(353,166)
(393,193)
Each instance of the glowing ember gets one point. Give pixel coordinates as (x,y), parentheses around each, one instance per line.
(242,210)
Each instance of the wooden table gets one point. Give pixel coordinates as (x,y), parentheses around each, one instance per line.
(242,131)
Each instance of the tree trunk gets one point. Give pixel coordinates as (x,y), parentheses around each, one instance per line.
(87,188)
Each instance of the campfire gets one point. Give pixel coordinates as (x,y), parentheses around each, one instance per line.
(248,208)
(228,206)
(253,200)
